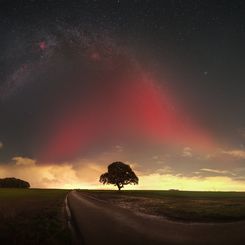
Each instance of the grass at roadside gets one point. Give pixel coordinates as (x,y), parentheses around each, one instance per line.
(32,216)
(188,206)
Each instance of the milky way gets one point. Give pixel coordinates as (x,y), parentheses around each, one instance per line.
(94,90)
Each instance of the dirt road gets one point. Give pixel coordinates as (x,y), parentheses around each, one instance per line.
(102,223)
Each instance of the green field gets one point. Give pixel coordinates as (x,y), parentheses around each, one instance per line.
(32,216)
(187,206)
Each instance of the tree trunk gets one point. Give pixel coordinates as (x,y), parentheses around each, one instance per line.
(119,187)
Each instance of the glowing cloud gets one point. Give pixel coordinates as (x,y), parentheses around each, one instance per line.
(240,154)
(85,174)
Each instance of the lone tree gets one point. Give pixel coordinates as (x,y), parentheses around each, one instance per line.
(119,174)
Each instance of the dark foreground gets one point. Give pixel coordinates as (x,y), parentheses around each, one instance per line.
(32,216)
(102,222)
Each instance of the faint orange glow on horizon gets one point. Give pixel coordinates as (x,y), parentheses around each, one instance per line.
(167,182)
(86,176)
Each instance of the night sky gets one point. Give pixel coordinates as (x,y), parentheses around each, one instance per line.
(157,84)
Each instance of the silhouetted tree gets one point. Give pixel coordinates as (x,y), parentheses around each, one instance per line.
(119,174)
(13,183)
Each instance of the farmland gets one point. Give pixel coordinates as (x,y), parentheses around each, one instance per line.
(33,216)
(185,206)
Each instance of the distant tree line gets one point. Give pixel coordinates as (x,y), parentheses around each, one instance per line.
(13,183)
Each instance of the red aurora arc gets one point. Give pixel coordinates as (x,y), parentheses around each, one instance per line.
(119,107)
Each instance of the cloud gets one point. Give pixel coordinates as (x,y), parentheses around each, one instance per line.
(156,157)
(24,161)
(164,170)
(217,171)
(84,174)
(221,155)
(240,154)
(119,148)
(158,160)
(64,175)
(1,145)
(187,152)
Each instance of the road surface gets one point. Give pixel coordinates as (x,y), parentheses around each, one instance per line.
(102,223)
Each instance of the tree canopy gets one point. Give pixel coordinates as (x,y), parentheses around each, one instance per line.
(119,174)
(13,183)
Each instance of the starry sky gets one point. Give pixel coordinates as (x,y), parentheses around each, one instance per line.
(156,84)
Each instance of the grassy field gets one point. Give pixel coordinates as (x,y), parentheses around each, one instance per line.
(185,206)
(32,216)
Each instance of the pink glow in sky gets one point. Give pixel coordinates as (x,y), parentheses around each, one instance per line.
(129,109)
